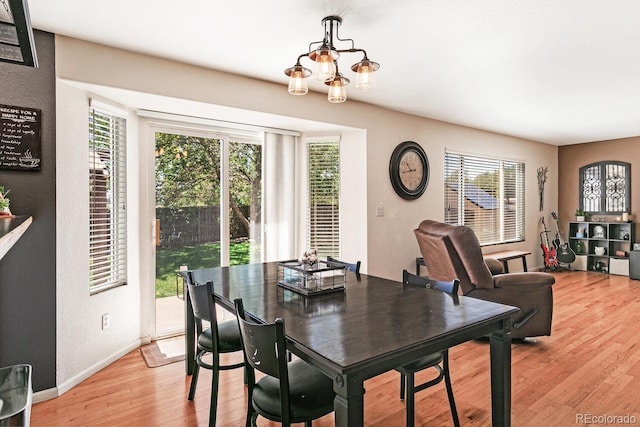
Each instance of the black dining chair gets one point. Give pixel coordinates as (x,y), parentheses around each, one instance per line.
(439,361)
(290,392)
(223,337)
(355,266)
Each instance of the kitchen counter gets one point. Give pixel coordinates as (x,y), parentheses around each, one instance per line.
(11,229)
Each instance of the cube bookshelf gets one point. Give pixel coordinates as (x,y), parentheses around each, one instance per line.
(602,246)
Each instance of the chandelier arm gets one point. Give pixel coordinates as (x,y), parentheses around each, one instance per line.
(353,44)
(319,43)
(302,56)
(352,50)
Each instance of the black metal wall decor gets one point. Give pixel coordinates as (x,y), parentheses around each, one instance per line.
(542,179)
(605,187)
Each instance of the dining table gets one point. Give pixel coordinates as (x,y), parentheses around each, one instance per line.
(370,326)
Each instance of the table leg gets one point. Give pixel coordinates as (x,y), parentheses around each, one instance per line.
(524,263)
(349,402)
(500,343)
(505,264)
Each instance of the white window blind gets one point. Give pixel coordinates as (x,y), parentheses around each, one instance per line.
(107,200)
(323,212)
(486,194)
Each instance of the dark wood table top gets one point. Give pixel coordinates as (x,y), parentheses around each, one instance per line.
(371,320)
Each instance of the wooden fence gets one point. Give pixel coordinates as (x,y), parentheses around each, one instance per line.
(194,225)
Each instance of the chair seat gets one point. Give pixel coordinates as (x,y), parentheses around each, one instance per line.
(422,363)
(228,337)
(311,393)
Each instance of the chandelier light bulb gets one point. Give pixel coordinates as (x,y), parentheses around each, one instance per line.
(337,89)
(365,79)
(337,93)
(298,85)
(298,79)
(364,70)
(325,66)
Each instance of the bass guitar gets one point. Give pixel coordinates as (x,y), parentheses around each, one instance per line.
(564,253)
(549,252)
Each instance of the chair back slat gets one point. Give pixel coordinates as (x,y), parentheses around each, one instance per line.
(202,301)
(424,282)
(264,345)
(354,267)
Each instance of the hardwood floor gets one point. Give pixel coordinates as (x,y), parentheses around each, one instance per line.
(590,365)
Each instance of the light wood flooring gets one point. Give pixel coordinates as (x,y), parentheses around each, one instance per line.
(590,365)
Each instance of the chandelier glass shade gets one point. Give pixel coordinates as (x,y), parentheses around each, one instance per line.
(297,83)
(337,89)
(324,55)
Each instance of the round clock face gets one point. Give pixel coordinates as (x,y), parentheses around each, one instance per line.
(409,170)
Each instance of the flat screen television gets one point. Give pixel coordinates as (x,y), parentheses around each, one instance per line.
(16,35)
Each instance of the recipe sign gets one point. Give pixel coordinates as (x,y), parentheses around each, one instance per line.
(20,140)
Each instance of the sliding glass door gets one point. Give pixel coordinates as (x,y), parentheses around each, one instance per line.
(208,192)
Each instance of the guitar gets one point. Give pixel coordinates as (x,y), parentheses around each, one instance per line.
(550,260)
(564,253)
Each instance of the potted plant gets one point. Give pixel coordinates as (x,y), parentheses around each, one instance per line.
(4,202)
(580,215)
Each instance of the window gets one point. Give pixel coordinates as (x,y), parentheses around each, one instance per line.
(323,212)
(107,201)
(604,187)
(486,194)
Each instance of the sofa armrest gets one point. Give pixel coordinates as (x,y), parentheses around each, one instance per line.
(495,266)
(524,281)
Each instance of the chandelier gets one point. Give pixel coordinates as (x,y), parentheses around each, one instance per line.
(325,56)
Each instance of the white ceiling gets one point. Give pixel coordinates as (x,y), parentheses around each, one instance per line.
(556,71)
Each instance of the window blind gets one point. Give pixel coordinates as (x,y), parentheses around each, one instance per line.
(107,200)
(323,211)
(486,194)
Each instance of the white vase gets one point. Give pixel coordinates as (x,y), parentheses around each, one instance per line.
(580,218)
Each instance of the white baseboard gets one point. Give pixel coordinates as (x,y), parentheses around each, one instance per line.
(42,395)
(62,388)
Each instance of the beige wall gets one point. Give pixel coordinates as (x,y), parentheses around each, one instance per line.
(391,244)
(572,157)
(371,132)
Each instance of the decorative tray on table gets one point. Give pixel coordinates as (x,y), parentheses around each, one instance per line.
(311,279)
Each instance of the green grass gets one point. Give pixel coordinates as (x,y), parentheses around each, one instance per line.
(169,260)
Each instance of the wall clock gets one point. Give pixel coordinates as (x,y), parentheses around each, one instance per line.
(409,170)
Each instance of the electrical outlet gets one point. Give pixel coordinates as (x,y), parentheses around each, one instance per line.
(106,321)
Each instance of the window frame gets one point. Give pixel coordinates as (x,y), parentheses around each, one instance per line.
(107,154)
(331,236)
(602,167)
(480,208)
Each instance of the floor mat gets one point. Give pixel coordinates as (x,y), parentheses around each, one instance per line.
(163,352)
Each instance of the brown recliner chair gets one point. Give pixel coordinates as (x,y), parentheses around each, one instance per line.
(453,251)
